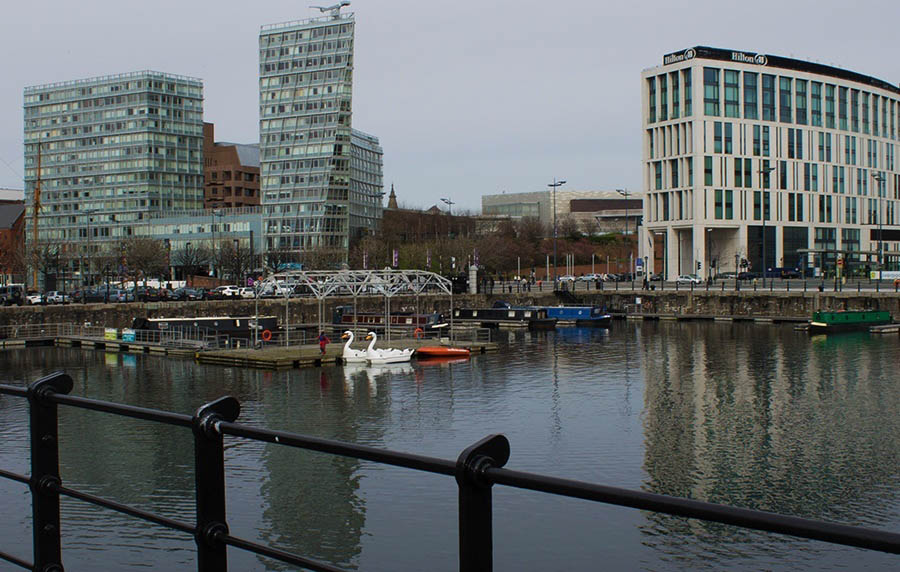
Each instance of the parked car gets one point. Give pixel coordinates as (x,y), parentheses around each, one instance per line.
(248,292)
(726,275)
(34,298)
(656,277)
(56,297)
(147,294)
(185,295)
(689,279)
(590,277)
(223,292)
(747,275)
(12,294)
(566,278)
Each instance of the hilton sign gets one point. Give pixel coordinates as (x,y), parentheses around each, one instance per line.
(715,54)
(758,59)
(688,54)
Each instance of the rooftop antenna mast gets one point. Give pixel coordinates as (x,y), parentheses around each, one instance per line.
(335,10)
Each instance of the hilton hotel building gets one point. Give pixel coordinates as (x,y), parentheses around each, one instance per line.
(750,157)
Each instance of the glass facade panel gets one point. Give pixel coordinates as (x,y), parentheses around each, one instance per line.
(732,94)
(768,97)
(800,88)
(711,91)
(751,98)
(815,103)
(785,114)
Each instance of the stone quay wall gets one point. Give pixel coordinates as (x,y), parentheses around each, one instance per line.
(682,303)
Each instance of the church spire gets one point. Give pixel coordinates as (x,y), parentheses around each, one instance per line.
(392,199)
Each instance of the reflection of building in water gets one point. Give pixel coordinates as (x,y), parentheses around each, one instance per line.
(312,504)
(751,417)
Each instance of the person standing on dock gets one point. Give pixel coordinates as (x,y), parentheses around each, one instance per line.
(323,341)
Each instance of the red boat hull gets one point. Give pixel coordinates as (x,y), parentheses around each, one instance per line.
(441,351)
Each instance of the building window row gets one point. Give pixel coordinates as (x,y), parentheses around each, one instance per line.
(799,101)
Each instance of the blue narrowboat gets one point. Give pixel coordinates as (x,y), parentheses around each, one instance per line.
(579,316)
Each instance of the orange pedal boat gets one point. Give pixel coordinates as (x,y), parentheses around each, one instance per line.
(441,351)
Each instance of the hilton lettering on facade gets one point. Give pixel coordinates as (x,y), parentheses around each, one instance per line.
(679,57)
(758,59)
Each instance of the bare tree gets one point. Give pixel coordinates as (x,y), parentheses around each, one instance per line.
(191,259)
(234,259)
(531,230)
(568,228)
(145,257)
(590,226)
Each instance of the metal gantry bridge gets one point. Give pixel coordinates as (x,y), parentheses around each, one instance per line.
(324,284)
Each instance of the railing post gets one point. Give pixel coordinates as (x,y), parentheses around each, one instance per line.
(209,472)
(45,470)
(475,520)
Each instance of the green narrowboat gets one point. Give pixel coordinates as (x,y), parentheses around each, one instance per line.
(831,322)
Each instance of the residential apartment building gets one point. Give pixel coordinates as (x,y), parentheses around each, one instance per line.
(110,150)
(321,180)
(230,172)
(756,160)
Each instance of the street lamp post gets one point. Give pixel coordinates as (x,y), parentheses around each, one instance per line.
(879,178)
(554,185)
(89,212)
(449,205)
(763,173)
(627,195)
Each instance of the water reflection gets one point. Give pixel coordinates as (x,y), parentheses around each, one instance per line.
(756,418)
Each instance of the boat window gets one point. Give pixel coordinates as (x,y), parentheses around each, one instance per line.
(474,312)
(511,314)
(527,314)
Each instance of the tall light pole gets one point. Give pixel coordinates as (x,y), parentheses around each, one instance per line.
(449,205)
(879,178)
(554,185)
(627,195)
(89,212)
(763,173)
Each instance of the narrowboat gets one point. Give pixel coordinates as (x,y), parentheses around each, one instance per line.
(344,316)
(234,326)
(594,316)
(845,321)
(531,317)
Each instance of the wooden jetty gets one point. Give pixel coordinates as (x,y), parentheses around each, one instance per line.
(310,356)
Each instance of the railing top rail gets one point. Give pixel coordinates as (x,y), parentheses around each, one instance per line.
(13,390)
(398,459)
(848,535)
(157,415)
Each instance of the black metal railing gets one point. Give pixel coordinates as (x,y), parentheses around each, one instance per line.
(476,470)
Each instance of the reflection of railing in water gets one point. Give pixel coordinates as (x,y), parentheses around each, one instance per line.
(476,470)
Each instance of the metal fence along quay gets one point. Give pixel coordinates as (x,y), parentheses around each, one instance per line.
(477,469)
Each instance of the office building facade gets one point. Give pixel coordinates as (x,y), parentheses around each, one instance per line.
(321,182)
(755,160)
(112,150)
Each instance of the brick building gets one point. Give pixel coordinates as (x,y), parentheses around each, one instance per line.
(12,241)
(231,172)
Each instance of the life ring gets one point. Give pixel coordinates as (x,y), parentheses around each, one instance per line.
(266,335)
(418,332)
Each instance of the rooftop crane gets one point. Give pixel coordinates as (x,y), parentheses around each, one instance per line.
(335,10)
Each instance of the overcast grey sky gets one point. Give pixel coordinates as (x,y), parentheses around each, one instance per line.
(468,98)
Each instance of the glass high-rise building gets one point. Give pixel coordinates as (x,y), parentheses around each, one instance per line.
(112,149)
(321,180)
